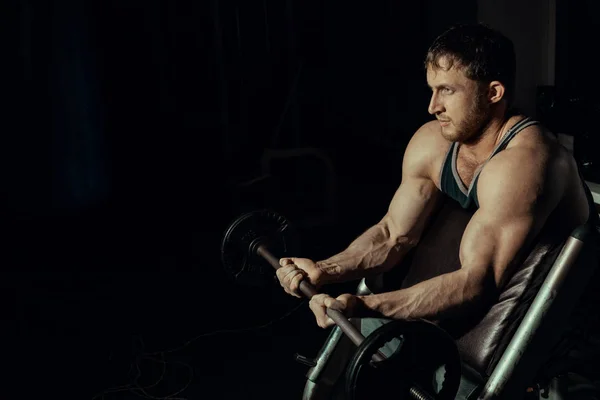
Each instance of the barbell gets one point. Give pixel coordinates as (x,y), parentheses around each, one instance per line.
(247,254)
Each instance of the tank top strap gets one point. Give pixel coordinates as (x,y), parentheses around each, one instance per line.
(518,127)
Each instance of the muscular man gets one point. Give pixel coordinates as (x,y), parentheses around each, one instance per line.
(479,151)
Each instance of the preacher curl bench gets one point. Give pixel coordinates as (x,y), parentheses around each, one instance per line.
(531,343)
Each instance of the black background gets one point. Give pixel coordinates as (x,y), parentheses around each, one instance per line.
(133,131)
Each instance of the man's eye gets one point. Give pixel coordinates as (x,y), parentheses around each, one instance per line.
(446,90)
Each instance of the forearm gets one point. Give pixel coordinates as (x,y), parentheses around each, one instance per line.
(373,252)
(442,297)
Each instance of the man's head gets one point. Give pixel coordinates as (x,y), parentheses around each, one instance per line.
(471,71)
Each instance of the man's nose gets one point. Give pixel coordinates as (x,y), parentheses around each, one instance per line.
(435,106)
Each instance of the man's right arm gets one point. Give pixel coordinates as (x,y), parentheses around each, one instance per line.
(385,244)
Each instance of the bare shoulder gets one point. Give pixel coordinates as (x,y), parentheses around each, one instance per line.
(426,151)
(534,170)
(539,150)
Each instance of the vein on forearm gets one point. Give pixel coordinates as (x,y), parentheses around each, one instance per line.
(375,251)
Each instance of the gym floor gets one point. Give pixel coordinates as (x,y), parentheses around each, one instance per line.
(105,307)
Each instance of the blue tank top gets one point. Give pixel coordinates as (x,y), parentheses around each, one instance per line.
(450,181)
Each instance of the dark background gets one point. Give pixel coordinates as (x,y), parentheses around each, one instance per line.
(133,134)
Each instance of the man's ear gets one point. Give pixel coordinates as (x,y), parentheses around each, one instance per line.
(496,91)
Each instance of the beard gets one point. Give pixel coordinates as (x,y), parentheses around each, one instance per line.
(469,129)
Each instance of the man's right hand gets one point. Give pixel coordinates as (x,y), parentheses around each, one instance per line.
(293,270)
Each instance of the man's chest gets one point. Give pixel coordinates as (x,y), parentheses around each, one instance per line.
(466,169)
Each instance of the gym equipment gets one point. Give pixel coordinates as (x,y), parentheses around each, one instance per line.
(239,247)
(411,370)
(518,348)
(246,253)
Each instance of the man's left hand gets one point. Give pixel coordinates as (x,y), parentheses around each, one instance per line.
(319,303)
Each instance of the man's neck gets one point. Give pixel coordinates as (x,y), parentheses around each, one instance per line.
(492,133)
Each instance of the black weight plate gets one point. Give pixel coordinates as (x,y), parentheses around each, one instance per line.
(425,347)
(274,231)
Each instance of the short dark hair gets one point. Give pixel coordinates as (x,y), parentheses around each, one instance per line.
(485,54)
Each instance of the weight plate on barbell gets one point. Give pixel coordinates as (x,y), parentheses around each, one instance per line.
(413,371)
(238,255)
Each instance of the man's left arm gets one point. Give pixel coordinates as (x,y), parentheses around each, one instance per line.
(515,201)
